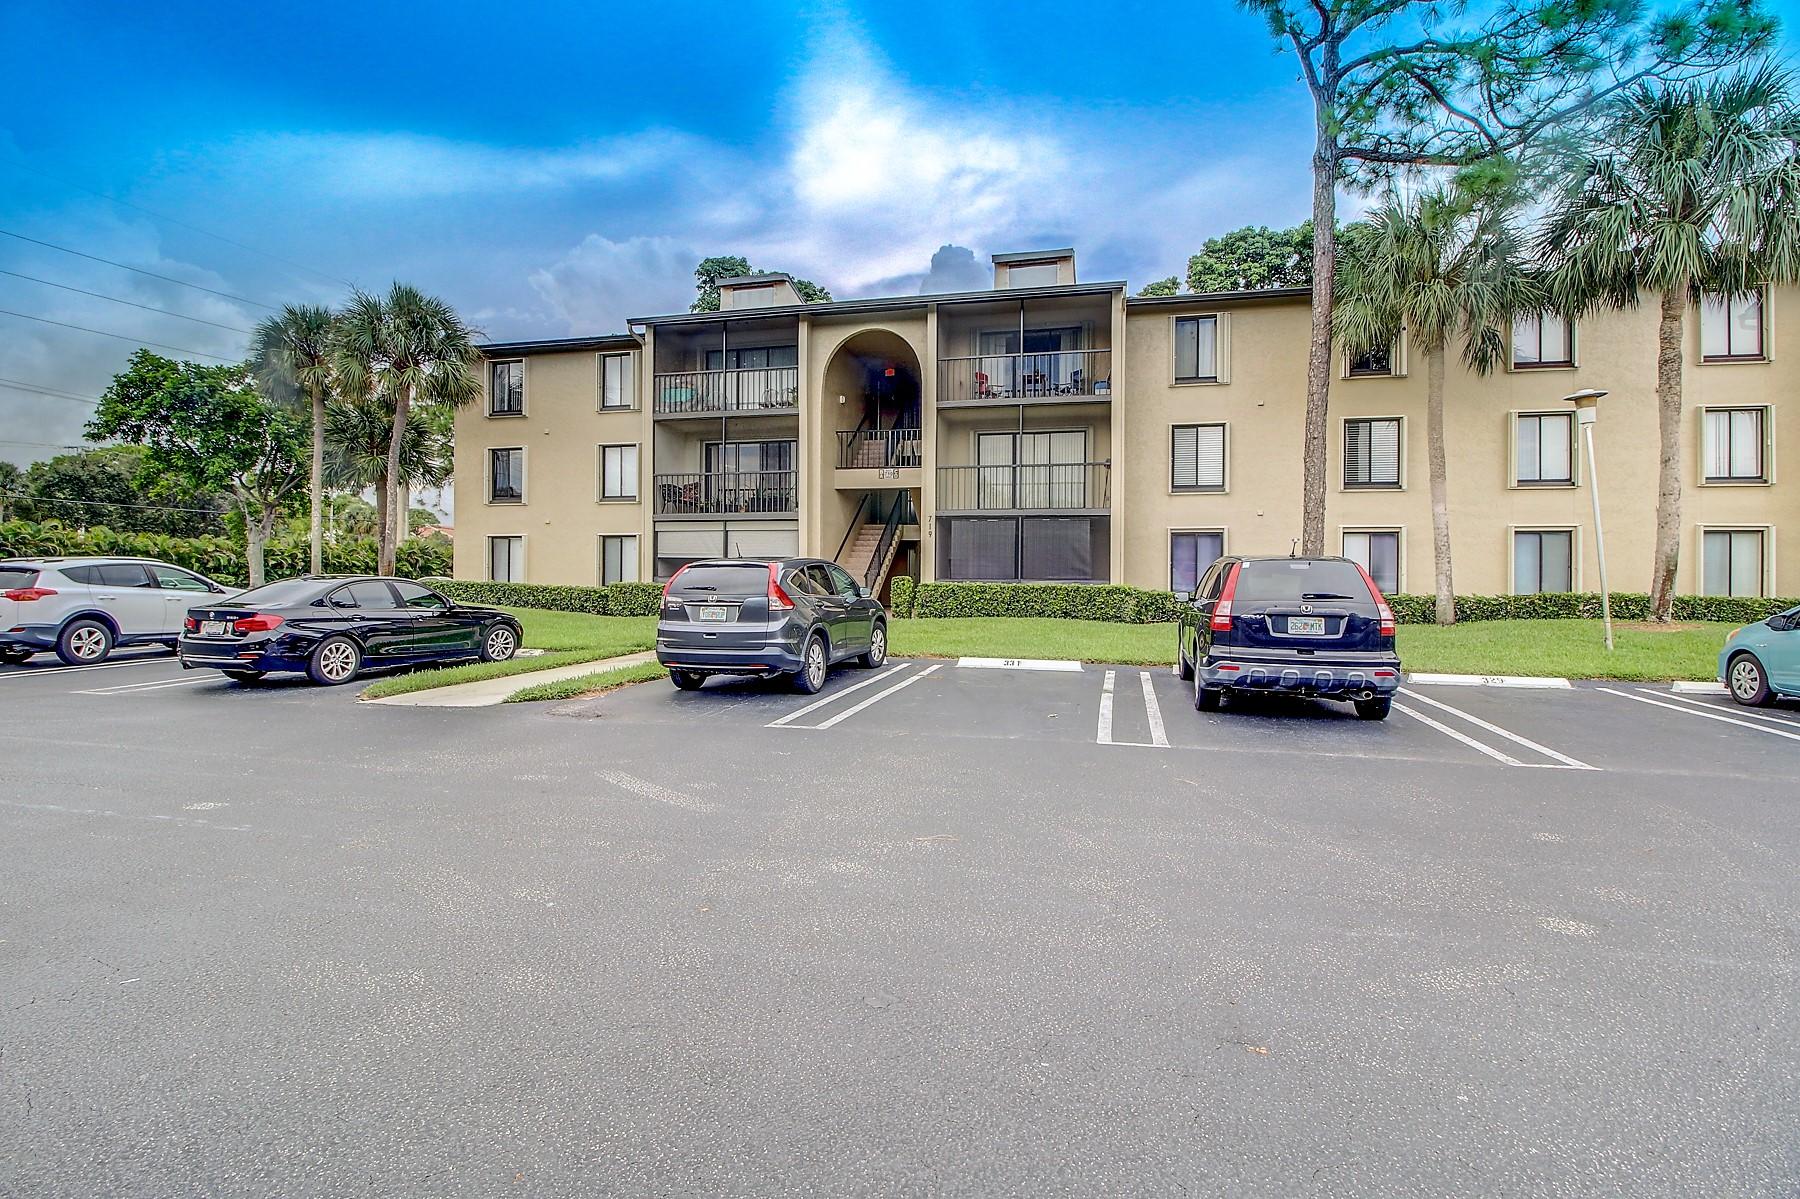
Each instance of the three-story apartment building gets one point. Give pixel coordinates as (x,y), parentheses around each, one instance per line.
(1048,429)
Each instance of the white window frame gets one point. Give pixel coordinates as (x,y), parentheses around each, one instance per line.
(1396,363)
(637,451)
(1764,295)
(1399,532)
(1569,323)
(600,540)
(1512,450)
(1767,478)
(1173,531)
(487,545)
(487,476)
(1225,458)
(1344,485)
(631,399)
(1768,554)
(524,388)
(1575,559)
(1221,349)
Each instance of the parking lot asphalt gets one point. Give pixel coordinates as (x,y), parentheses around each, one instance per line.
(941,929)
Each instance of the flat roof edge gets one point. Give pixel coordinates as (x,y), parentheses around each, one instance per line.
(1220,297)
(836,307)
(602,341)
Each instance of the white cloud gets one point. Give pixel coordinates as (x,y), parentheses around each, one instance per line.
(598,284)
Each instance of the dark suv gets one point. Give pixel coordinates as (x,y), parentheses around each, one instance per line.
(1291,626)
(792,616)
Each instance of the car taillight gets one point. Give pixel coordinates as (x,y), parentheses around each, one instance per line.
(1385,613)
(26,594)
(1221,617)
(779,601)
(260,623)
(671,583)
(191,625)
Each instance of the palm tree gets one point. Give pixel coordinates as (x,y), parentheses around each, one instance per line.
(360,434)
(291,352)
(1444,266)
(1692,187)
(402,349)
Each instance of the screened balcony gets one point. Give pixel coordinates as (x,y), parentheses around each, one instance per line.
(1042,487)
(721,493)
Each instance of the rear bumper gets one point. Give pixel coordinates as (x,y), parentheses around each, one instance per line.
(756,660)
(1340,680)
(29,636)
(220,655)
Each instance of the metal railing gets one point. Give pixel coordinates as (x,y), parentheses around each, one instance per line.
(889,530)
(1049,487)
(746,389)
(719,492)
(990,378)
(878,447)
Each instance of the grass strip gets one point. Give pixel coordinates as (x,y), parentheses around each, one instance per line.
(474,672)
(585,685)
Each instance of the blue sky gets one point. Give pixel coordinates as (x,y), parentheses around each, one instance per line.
(554,168)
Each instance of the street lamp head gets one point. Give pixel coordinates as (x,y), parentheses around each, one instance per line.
(1587,397)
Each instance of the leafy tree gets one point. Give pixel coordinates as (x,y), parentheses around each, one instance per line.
(358,434)
(1253,258)
(208,428)
(291,352)
(400,349)
(732,266)
(1162,287)
(1691,187)
(12,484)
(1444,267)
(106,487)
(1397,84)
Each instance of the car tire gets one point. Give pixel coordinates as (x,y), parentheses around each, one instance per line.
(84,642)
(687,680)
(877,654)
(334,661)
(499,643)
(1206,699)
(1184,669)
(810,678)
(244,676)
(1373,709)
(1748,682)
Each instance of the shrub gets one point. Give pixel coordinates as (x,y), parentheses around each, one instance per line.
(1585,605)
(900,595)
(221,558)
(614,599)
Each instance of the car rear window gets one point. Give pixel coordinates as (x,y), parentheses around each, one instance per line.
(12,576)
(276,595)
(723,580)
(1289,581)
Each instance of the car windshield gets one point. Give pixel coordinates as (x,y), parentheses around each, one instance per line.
(723,580)
(13,576)
(1292,580)
(277,595)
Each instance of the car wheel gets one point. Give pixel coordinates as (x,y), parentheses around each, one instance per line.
(1373,709)
(500,644)
(335,660)
(244,676)
(1206,699)
(1184,669)
(84,642)
(1748,682)
(810,678)
(686,680)
(877,648)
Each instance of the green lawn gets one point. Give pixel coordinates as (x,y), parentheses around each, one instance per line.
(1023,637)
(567,638)
(589,684)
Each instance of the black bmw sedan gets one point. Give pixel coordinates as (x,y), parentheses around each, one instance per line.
(335,628)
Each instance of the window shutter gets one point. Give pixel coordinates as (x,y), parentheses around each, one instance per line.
(1222,352)
(1384,451)
(1210,469)
(1184,454)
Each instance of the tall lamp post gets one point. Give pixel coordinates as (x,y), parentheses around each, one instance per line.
(1587,409)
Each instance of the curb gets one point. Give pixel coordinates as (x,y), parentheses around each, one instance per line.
(487,693)
(1683,687)
(1490,680)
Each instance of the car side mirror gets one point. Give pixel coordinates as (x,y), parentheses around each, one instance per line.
(1184,597)
(1781,623)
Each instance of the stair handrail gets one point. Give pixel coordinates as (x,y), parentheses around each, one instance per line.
(889,531)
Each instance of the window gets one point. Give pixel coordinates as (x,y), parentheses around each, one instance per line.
(1372,453)
(616,389)
(1374,362)
(124,574)
(1542,339)
(506,476)
(1544,449)
(1032,548)
(170,579)
(1197,458)
(1191,552)
(1031,274)
(1733,444)
(1196,349)
(1731,562)
(371,595)
(841,582)
(618,472)
(1543,560)
(618,559)
(421,598)
(1378,550)
(506,559)
(1731,327)
(506,388)
(753,358)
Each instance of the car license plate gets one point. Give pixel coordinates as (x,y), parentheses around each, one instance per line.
(1306,626)
(711,612)
(214,628)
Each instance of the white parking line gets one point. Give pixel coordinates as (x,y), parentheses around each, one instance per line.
(134,688)
(902,685)
(1157,735)
(784,721)
(34,672)
(1478,722)
(1103,731)
(1467,740)
(1686,711)
(1735,710)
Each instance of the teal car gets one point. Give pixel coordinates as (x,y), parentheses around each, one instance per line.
(1761,661)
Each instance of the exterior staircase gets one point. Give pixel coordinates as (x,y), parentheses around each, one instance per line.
(870,454)
(859,555)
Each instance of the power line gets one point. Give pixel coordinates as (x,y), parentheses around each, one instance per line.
(45,445)
(140,270)
(21,385)
(132,303)
(50,499)
(103,333)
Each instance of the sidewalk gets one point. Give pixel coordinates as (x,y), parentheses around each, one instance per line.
(487,692)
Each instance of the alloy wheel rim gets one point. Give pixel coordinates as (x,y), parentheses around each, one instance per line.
(879,645)
(87,643)
(500,644)
(1744,679)
(337,661)
(815,664)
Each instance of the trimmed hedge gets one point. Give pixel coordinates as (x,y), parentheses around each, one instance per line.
(1064,601)
(220,558)
(1585,605)
(901,590)
(614,599)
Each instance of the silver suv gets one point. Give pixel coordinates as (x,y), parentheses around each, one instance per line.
(81,608)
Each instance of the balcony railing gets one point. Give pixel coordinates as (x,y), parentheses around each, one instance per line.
(874,448)
(718,493)
(748,389)
(1036,488)
(1012,378)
